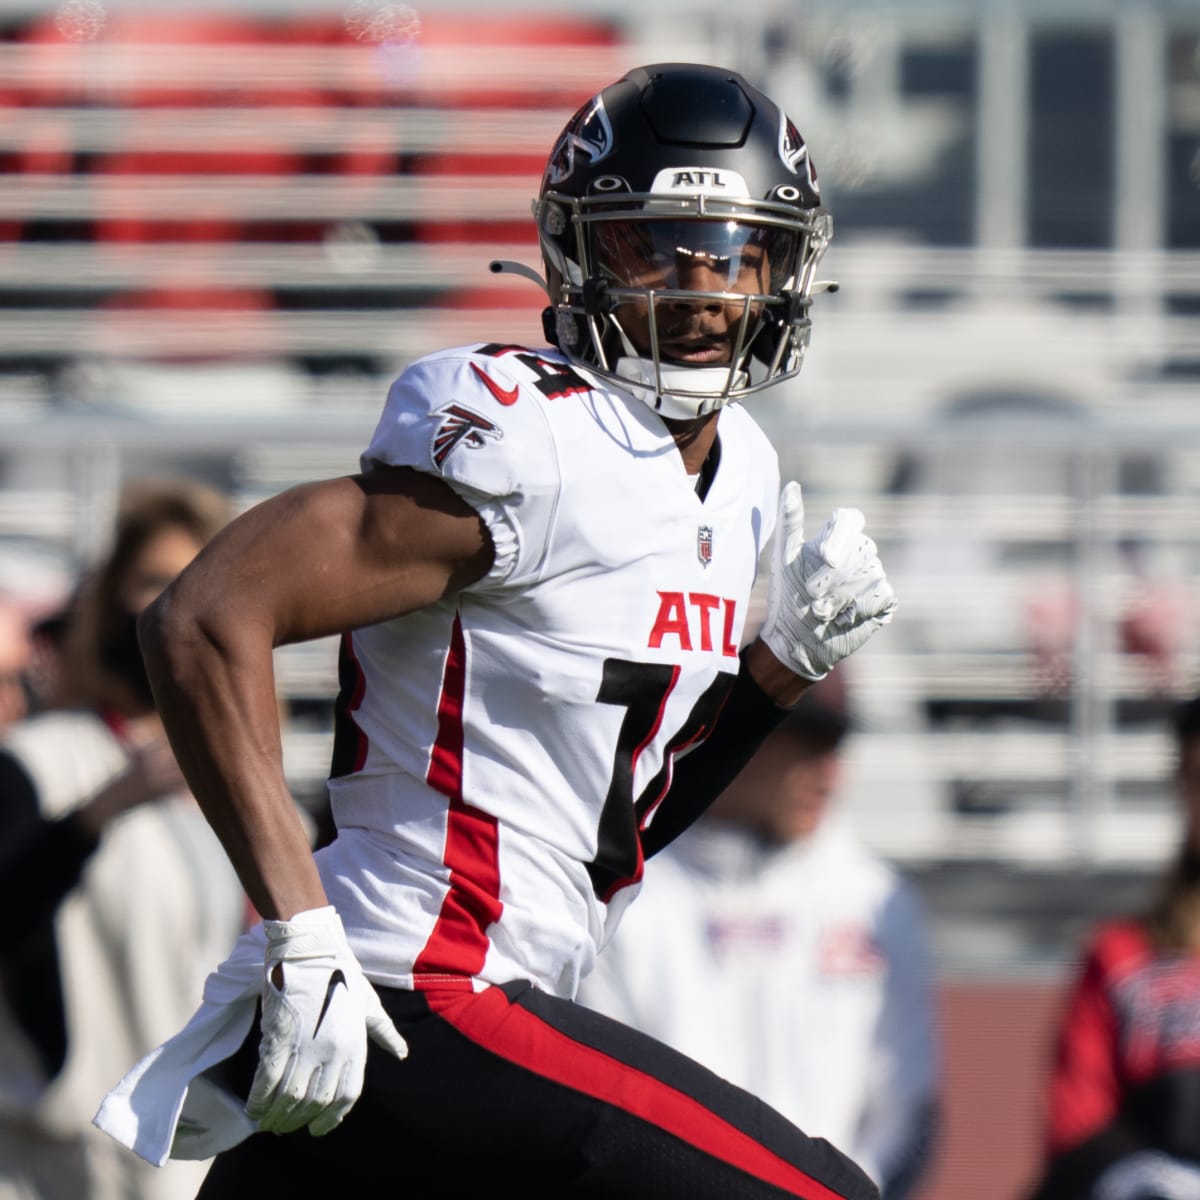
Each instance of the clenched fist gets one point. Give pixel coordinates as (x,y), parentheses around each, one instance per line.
(826,596)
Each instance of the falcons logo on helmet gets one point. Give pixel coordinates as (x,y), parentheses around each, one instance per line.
(794,152)
(589,132)
(461,425)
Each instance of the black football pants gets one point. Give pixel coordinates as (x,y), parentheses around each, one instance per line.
(513,1093)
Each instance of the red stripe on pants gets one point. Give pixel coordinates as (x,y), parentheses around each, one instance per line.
(517,1035)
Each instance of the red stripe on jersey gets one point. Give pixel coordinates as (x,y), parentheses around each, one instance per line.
(458,944)
(446,761)
(517,1035)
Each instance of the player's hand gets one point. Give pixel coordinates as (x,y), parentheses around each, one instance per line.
(317,1012)
(826,596)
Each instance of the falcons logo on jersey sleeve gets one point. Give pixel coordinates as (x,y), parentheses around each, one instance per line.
(460,424)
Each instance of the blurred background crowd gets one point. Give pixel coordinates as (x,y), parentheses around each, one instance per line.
(225,228)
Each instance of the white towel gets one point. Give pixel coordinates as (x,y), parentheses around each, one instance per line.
(155,1110)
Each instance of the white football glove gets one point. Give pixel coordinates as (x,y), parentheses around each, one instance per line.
(825,596)
(317,1012)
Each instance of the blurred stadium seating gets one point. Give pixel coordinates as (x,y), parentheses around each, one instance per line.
(224,230)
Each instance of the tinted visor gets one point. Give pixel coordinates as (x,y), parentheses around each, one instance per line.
(695,255)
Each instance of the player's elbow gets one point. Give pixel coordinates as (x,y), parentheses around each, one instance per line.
(164,633)
(179,638)
(152,628)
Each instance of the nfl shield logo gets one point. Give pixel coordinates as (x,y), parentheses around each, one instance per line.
(704,544)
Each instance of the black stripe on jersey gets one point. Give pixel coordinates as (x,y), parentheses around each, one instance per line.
(349,742)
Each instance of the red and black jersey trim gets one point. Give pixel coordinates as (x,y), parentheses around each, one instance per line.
(458,945)
(349,742)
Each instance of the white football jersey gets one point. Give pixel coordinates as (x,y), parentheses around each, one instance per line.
(499,752)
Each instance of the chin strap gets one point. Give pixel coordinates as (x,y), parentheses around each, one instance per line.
(706,385)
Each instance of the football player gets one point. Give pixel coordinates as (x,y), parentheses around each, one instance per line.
(541,576)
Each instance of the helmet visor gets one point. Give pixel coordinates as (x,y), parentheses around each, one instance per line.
(695,255)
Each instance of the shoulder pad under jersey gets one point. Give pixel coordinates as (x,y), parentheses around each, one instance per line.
(476,416)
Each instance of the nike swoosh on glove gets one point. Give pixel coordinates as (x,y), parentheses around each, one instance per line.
(318,1009)
(826,596)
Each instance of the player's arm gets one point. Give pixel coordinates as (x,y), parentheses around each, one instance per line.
(316,560)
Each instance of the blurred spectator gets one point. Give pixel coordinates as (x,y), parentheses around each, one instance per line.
(773,947)
(1123,1104)
(115,891)
(16,657)
(48,675)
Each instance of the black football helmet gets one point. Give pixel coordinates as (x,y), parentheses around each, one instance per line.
(674,168)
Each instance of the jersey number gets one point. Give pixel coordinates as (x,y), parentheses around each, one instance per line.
(642,689)
(553,379)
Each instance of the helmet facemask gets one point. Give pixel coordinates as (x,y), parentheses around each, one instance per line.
(694,301)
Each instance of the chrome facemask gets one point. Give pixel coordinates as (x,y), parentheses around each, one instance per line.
(620,307)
